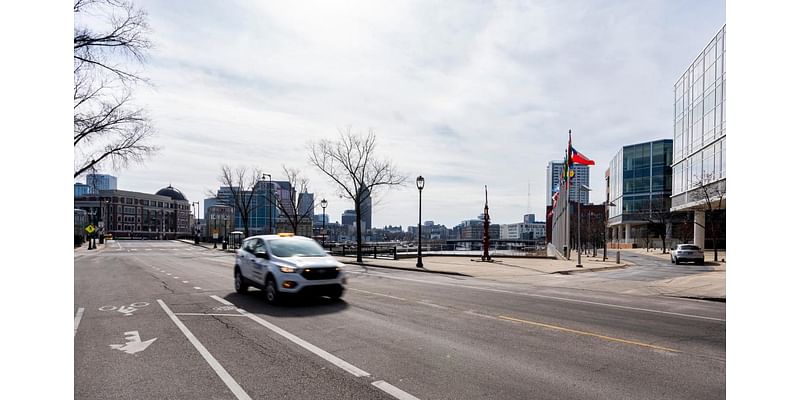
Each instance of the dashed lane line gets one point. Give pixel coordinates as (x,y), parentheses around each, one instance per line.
(78,316)
(234,387)
(382,385)
(300,342)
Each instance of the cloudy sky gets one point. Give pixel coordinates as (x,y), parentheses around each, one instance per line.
(465,93)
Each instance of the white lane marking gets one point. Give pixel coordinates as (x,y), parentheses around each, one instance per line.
(184,281)
(378,294)
(78,316)
(175,277)
(134,343)
(212,314)
(198,288)
(215,365)
(393,390)
(427,303)
(547,297)
(300,342)
(477,314)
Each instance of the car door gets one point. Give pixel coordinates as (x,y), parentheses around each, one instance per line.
(245,259)
(259,266)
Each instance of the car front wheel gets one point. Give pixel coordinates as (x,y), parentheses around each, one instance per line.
(238,282)
(271,291)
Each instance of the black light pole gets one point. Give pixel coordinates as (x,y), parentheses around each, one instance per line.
(266,196)
(420,185)
(196,222)
(269,202)
(324,204)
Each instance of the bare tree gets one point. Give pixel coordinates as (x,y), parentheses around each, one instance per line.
(107,126)
(239,193)
(291,207)
(711,194)
(658,217)
(351,163)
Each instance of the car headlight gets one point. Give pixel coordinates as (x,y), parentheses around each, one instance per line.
(287,269)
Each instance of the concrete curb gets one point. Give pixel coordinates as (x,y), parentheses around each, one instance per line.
(596,269)
(430,271)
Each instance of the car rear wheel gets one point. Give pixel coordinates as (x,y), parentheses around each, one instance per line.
(271,291)
(238,282)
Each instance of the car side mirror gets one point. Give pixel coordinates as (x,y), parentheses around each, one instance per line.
(262,254)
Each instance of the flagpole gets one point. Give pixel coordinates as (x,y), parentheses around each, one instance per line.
(566,178)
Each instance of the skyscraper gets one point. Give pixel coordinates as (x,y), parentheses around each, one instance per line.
(554,169)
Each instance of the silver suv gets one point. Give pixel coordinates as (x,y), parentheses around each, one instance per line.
(687,252)
(287,264)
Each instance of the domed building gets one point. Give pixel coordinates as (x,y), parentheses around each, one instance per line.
(126,214)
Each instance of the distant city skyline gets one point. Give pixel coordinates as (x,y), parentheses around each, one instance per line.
(465,95)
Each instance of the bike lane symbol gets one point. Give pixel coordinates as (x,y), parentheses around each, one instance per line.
(126,310)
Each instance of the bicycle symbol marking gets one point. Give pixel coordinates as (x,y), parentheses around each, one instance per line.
(127,310)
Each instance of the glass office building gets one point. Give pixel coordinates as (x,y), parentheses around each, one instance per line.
(639,186)
(699,133)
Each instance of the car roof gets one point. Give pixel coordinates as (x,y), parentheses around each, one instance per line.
(278,236)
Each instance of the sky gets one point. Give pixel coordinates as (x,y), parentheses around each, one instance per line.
(465,94)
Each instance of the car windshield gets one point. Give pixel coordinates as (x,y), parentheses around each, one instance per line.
(688,247)
(296,248)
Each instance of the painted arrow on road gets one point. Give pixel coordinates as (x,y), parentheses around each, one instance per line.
(134,344)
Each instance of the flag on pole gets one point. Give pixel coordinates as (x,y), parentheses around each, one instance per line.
(577,158)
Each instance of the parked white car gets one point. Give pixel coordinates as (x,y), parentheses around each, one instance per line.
(286,264)
(687,252)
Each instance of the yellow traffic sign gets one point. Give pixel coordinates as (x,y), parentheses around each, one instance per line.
(90,228)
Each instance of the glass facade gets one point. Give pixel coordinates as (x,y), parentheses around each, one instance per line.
(640,180)
(699,122)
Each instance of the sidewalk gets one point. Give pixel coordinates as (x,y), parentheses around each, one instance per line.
(545,272)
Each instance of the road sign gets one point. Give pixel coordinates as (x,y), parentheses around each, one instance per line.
(90,228)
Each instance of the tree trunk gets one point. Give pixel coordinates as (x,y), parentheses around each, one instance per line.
(358,228)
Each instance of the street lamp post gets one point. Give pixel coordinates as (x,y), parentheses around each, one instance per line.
(420,185)
(585,188)
(196,222)
(324,204)
(269,203)
(267,198)
(215,232)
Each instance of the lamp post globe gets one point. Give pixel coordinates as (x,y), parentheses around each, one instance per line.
(420,185)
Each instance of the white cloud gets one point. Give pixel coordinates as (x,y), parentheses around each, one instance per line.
(464,93)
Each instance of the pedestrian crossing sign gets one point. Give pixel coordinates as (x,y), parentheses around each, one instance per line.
(90,228)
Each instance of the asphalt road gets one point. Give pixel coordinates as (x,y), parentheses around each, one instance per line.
(395,334)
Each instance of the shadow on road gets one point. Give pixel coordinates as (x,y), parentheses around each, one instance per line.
(290,307)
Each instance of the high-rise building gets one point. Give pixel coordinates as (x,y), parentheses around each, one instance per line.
(366,210)
(554,170)
(305,204)
(97,182)
(349,218)
(529,218)
(639,187)
(699,137)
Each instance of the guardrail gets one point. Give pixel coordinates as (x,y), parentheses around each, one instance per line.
(383,252)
